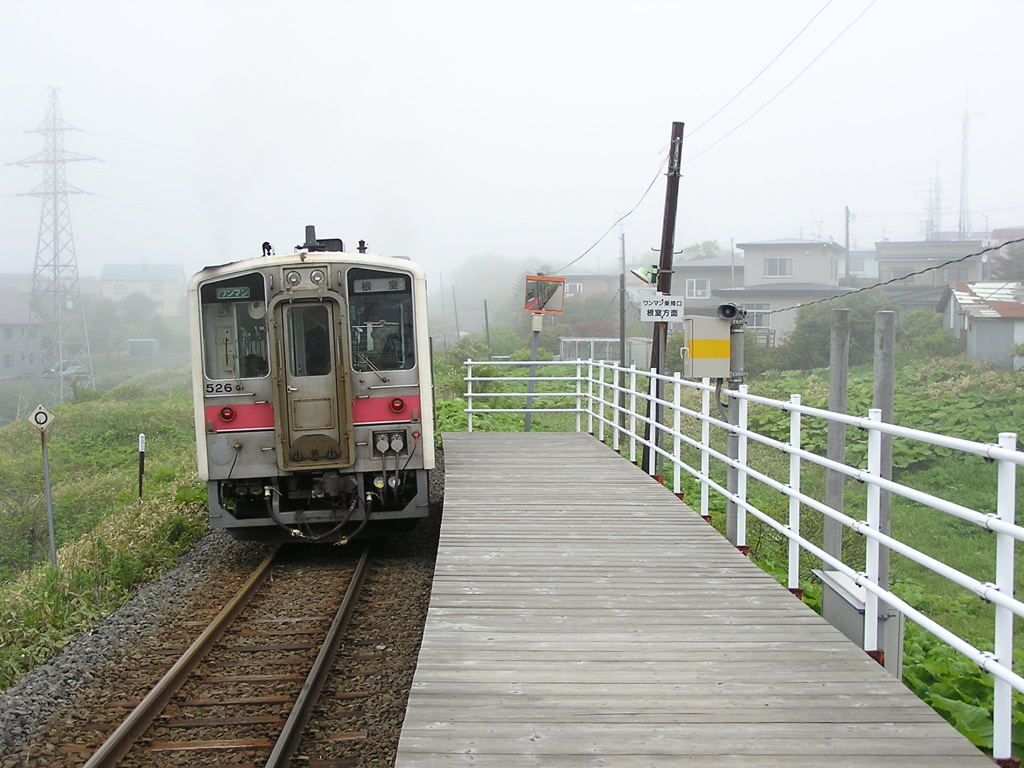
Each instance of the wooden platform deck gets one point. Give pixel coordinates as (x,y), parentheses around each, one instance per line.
(582,616)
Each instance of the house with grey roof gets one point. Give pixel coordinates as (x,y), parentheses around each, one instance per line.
(164,284)
(780,275)
(906,261)
(988,320)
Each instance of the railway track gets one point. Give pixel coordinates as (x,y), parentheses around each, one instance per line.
(243,691)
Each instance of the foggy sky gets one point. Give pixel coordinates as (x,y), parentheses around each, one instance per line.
(458,129)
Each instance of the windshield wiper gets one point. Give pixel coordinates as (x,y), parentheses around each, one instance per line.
(374,368)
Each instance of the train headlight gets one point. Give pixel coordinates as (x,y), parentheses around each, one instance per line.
(317,276)
(293,278)
(227,414)
(397,405)
(378,482)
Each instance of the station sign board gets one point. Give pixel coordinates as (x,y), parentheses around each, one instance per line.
(661,308)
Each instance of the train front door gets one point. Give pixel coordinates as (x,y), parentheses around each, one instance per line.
(315,422)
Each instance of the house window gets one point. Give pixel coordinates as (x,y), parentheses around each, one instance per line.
(697,288)
(7,361)
(758,316)
(8,332)
(573,289)
(156,288)
(120,289)
(777,266)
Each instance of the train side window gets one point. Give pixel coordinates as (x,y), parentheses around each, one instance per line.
(235,328)
(310,340)
(381,320)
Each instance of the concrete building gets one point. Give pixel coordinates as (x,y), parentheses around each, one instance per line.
(987,319)
(20,335)
(778,276)
(899,260)
(164,284)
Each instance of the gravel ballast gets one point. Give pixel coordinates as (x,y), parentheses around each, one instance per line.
(90,685)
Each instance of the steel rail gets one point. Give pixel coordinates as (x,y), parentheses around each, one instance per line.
(120,742)
(302,710)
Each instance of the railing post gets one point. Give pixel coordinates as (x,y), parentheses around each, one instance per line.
(873,517)
(677,443)
(579,393)
(469,395)
(1006,503)
(652,414)
(741,475)
(616,403)
(590,396)
(705,442)
(632,413)
(600,400)
(794,503)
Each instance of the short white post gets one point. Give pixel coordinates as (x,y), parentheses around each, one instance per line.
(873,517)
(741,476)
(1006,502)
(677,447)
(654,426)
(579,393)
(794,503)
(469,395)
(632,413)
(705,442)
(601,413)
(590,396)
(616,402)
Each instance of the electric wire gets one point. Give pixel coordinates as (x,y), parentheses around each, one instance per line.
(737,127)
(892,280)
(764,69)
(621,218)
(784,88)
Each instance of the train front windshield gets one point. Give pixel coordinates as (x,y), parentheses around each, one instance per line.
(234,312)
(381,320)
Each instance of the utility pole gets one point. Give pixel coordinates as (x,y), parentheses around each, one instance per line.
(487,330)
(56,298)
(455,312)
(846,269)
(664,284)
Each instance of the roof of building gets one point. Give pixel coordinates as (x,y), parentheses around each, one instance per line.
(790,241)
(173,273)
(717,262)
(925,250)
(990,299)
(784,289)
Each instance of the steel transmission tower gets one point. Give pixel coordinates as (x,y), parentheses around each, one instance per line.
(56,298)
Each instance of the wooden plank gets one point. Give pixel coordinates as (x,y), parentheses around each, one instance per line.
(582,616)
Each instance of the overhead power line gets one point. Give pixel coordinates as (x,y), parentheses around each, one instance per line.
(621,218)
(764,69)
(784,88)
(957,260)
(750,117)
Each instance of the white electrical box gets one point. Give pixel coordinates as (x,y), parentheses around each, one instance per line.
(706,352)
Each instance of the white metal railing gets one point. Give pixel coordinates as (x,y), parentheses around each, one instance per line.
(616,400)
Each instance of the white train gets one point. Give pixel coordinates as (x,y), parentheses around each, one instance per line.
(312,388)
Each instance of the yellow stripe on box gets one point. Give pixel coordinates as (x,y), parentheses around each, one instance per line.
(709,348)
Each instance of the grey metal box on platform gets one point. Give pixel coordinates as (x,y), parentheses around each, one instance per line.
(842,605)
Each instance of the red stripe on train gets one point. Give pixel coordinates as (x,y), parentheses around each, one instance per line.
(377,409)
(246,416)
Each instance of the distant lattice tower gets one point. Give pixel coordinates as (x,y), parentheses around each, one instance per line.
(56,297)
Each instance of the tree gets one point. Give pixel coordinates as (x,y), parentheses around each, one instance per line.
(1008,263)
(807,346)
